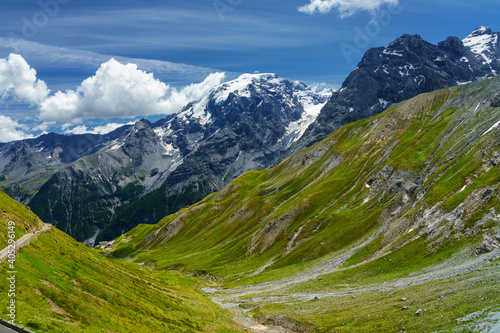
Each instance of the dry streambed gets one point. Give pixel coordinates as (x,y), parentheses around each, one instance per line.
(241,300)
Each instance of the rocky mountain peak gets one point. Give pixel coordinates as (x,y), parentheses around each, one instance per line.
(484,43)
(406,43)
(405,68)
(141,124)
(241,85)
(481,30)
(451,42)
(481,39)
(406,39)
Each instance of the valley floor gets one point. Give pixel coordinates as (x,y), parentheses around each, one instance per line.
(459,295)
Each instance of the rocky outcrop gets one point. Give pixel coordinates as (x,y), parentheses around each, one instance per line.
(490,243)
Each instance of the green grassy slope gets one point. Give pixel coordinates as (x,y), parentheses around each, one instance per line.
(11,210)
(409,192)
(412,160)
(63,286)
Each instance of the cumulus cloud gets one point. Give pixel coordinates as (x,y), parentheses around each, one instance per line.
(18,80)
(121,91)
(322,88)
(105,129)
(177,99)
(345,7)
(11,130)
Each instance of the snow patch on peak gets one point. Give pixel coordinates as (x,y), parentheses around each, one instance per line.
(480,43)
(481,30)
(398,53)
(312,101)
(483,42)
(163,131)
(383,102)
(241,84)
(197,111)
(114,146)
(169,149)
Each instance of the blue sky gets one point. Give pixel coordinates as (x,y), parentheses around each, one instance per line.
(67,41)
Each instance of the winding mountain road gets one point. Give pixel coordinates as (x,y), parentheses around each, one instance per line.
(24,240)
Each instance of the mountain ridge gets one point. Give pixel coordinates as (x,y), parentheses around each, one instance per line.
(24,164)
(405,68)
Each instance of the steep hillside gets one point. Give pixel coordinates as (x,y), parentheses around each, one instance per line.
(404,203)
(12,211)
(63,286)
(405,68)
(244,124)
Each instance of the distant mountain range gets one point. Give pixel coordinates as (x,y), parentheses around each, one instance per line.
(99,186)
(83,184)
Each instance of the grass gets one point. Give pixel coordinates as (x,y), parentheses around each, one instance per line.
(11,210)
(64,286)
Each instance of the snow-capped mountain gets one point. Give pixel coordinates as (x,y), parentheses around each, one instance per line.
(218,105)
(485,43)
(405,68)
(152,170)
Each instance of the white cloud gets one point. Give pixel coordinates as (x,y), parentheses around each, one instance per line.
(18,79)
(179,73)
(43,127)
(122,91)
(345,7)
(179,98)
(105,129)
(322,87)
(11,130)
